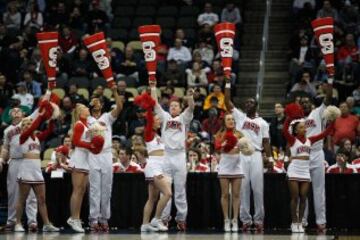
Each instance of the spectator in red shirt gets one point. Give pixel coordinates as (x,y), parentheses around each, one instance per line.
(126,165)
(194,157)
(349,51)
(67,40)
(346,126)
(212,124)
(341,165)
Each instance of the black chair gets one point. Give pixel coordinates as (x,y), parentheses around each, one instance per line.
(190,33)
(148,2)
(145,11)
(123,3)
(118,34)
(121,22)
(166,22)
(167,35)
(96,82)
(81,82)
(133,35)
(189,11)
(61,82)
(142,21)
(167,11)
(124,11)
(186,22)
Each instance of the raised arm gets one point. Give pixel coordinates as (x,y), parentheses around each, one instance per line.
(45,134)
(77,133)
(148,132)
(119,104)
(34,125)
(229,105)
(289,138)
(190,99)
(322,135)
(157,108)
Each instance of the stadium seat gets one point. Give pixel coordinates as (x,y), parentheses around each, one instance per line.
(124,11)
(97,81)
(119,34)
(125,3)
(167,35)
(203,91)
(166,22)
(53,142)
(84,92)
(217,10)
(186,22)
(47,154)
(134,91)
(148,2)
(108,93)
(136,45)
(179,92)
(119,45)
(170,11)
(190,33)
(133,35)
(142,21)
(121,22)
(81,82)
(61,82)
(59,92)
(145,11)
(44,163)
(130,81)
(189,11)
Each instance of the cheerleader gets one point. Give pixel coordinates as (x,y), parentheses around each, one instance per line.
(154,169)
(229,169)
(30,175)
(299,169)
(79,164)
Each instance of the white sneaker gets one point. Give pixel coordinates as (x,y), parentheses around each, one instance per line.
(294,228)
(148,228)
(234,225)
(157,223)
(75,224)
(300,228)
(19,228)
(227,225)
(50,228)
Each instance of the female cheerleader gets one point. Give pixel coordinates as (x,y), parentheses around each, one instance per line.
(299,169)
(154,169)
(30,175)
(230,172)
(79,164)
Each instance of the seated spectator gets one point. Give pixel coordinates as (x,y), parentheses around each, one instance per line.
(6,91)
(305,85)
(212,124)
(196,77)
(342,165)
(99,93)
(34,88)
(67,40)
(301,58)
(97,20)
(141,154)
(195,165)
(59,15)
(161,54)
(76,19)
(116,142)
(299,4)
(328,11)
(348,59)
(179,53)
(231,14)
(346,126)
(136,126)
(74,96)
(276,127)
(347,146)
(208,17)
(126,165)
(356,164)
(206,52)
(350,17)
(199,103)
(12,17)
(206,34)
(34,18)
(129,67)
(60,160)
(216,92)
(25,98)
(180,34)
(165,102)
(82,66)
(173,76)
(121,87)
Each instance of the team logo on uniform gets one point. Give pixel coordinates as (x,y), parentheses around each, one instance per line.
(251,126)
(34,146)
(303,149)
(173,125)
(310,123)
(13,132)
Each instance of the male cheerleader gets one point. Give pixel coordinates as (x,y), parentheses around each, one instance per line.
(256,129)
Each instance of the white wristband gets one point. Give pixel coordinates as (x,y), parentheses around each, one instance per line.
(228,85)
(330,80)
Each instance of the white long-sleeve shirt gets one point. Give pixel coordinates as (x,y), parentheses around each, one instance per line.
(182,54)
(208,18)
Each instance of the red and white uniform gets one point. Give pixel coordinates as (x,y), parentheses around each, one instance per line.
(100,176)
(356,164)
(155,165)
(12,144)
(173,135)
(278,167)
(349,169)
(81,142)
(202,168)
(131,168)
(255,129)
(299,169)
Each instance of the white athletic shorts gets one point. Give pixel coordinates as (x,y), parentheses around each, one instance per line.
(30,172)
(154,167)
(230,166)
(299,170)
(79,161)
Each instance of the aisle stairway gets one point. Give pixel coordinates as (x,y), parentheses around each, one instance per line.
(250,51)
(276,64)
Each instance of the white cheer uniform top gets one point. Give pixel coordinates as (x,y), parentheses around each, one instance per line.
(314,126)
(80,152)
(255,129)
(155,144)
(300,149)
(173,130)
(31,146)
(106,120)
(12,141)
